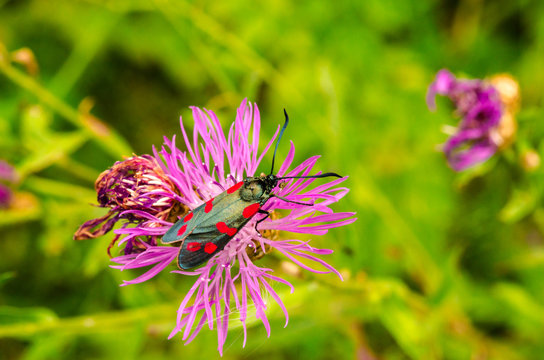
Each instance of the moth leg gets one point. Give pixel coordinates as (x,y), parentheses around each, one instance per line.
(261,220)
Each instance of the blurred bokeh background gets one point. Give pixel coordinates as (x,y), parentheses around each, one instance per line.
(439,265)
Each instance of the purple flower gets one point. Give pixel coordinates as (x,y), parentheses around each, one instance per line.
(230,283)
(7,173)
(479,105)
(5,196)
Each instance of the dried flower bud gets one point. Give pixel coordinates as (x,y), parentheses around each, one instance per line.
(530,160)
(290,269)
(505,133)
(26,57)
(508,89)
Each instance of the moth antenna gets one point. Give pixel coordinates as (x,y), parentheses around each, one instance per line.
(311,176)
(279,138)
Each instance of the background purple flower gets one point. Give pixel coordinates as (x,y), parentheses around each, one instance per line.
(478,104)
(7,173)
(213,162)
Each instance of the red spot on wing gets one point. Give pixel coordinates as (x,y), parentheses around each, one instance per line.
(235,187)
(210,247)
(188,217)
(182,230)
(224,229)
(208,206)
(251,210)
(193,246)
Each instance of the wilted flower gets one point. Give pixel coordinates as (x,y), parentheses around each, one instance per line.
(133,189)
(486,108)
(229,282)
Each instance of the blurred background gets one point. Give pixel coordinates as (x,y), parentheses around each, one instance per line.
(439,265)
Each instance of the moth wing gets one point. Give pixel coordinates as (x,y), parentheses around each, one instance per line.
(199,248)
(231,211)
(210,227)
(186,225)
(213,233)
(183,227)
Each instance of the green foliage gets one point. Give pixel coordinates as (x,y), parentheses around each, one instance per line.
(438,266)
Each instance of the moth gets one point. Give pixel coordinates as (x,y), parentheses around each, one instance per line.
(208,228)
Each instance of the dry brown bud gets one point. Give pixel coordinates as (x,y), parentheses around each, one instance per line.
(508,89)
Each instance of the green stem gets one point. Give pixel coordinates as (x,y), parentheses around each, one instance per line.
(420,260)
(60,189)
(55,151)
(83,52)
(164,313)
(110,141)
(221,35)
(80,170)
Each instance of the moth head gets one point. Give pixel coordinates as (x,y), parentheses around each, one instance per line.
(252,190)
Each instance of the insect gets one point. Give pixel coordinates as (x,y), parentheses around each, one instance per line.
(207,229)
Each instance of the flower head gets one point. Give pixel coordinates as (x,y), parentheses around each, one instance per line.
(486,122)
(230,282)
(132,189)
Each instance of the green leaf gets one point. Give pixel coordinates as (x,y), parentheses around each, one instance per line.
(59,147)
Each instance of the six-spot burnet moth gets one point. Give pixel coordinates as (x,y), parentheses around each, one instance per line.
(206,230)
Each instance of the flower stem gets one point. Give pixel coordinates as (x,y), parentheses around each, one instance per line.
(60,189)
(237,47)
(91,323)
(108,139)
(80,170)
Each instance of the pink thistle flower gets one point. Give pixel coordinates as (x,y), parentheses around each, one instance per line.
(215,161)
